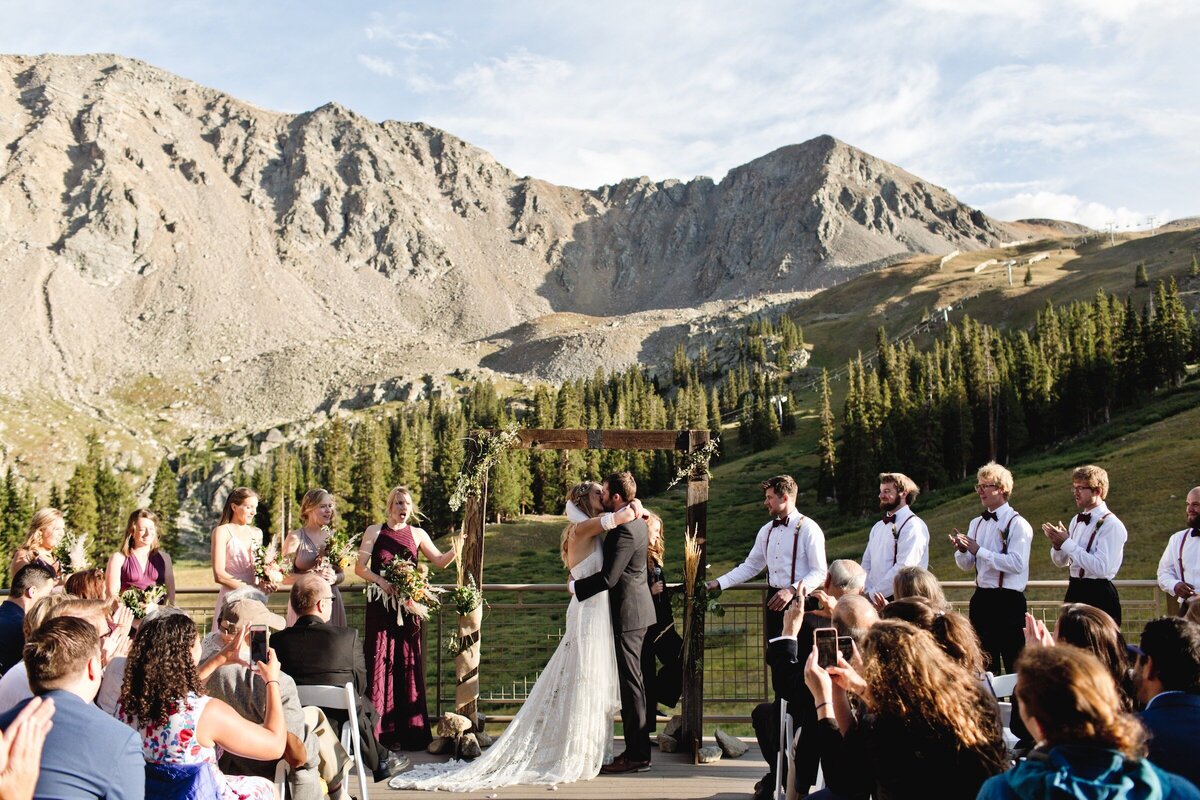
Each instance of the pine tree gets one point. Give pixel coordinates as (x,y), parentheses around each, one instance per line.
(1028,276)
(369,473)
(826,449)
(1140,279)
(164,501)
(335,459)
(1194,269)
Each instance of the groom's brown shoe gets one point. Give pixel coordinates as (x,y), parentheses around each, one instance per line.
(621,765)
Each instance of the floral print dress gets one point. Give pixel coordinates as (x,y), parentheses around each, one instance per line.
(176,743)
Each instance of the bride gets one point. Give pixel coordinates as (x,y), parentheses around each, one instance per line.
(564,731)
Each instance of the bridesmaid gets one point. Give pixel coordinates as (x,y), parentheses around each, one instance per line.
(232,542)
(46,530)
(305,546)
(140,564)
(395,661)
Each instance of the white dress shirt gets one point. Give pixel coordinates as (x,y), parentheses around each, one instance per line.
(1106,535)
(773,549)
(904,542)
(995,569)
(1169,566)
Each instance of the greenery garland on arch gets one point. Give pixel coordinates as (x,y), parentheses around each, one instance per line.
(697,461)
(490,446)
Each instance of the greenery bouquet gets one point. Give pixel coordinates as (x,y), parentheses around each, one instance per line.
(414,594)
(141,601)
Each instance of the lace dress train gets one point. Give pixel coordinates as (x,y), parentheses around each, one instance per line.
(564,730)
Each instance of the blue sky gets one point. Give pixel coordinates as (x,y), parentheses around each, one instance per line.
(1078,109)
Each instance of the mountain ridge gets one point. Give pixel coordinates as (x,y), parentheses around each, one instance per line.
(240,266)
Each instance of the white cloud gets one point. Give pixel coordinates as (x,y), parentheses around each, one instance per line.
(379,66)
(1053,205)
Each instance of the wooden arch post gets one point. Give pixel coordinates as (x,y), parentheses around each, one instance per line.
(686,442)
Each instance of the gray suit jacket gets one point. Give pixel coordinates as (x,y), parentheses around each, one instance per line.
(245,691)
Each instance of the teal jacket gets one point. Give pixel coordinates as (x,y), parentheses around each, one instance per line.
(1076,772)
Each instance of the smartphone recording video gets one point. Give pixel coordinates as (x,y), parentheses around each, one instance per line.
(827,647)
(846,647)
(258,643)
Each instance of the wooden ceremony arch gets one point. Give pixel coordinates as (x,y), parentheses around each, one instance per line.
(683,441)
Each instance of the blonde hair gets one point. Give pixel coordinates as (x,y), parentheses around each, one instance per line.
(581,496)
(1075,701)
(1095,477)
(914,581)
(314,497)
(656,547)
(131,527)
(413,513)
(992,472)
(903,484)
(43,518)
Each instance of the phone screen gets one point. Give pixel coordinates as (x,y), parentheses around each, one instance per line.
(827,644)
(258,643)
(846,647)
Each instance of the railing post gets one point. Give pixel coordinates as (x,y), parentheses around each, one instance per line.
(692,730)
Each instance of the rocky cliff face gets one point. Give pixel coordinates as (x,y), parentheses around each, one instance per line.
(253,264)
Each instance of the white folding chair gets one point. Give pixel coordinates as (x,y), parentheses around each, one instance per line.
(281,771)
(341,697)
(784,725)
(1004,685)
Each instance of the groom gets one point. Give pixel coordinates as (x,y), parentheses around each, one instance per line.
(629,599)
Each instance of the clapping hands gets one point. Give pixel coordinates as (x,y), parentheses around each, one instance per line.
(21,749)
(962,543)
(1057,534)
(1036,633)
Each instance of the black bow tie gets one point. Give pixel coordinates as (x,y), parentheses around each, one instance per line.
(777,522)
(990,515)
(889,518)
(1086,519)
(1195,532)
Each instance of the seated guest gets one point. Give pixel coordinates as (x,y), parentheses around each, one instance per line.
(953,631)
(844,578)
(927,728)
(919,582)
(1089,628)
(1167,676)
(87,584)
(1087,746)
(853,617)
(240,686)
(87,753)
(14,686)
(316,652)
(31,583)
(163,700)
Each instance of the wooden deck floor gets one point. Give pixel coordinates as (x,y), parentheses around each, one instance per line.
(672,776)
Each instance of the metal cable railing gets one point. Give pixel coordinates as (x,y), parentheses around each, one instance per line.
(522,625)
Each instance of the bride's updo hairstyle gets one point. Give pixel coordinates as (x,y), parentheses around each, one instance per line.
(581,496)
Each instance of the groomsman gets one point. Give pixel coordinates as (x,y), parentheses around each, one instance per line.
(900,539)
(1093,546)
(1179,568)
(790,546)
(996,545)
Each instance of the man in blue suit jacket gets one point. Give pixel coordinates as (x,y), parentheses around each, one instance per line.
(1167,675)
(87,754)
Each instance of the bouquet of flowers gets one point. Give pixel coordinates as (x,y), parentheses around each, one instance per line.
(341,548)
(71,553)
(141,601)
(414,594)
(266,563)
(466,597)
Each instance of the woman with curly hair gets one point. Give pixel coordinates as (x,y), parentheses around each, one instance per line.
(1088,747)
(928,727)
(162,698)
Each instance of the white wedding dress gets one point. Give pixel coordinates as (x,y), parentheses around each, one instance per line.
(564,730)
